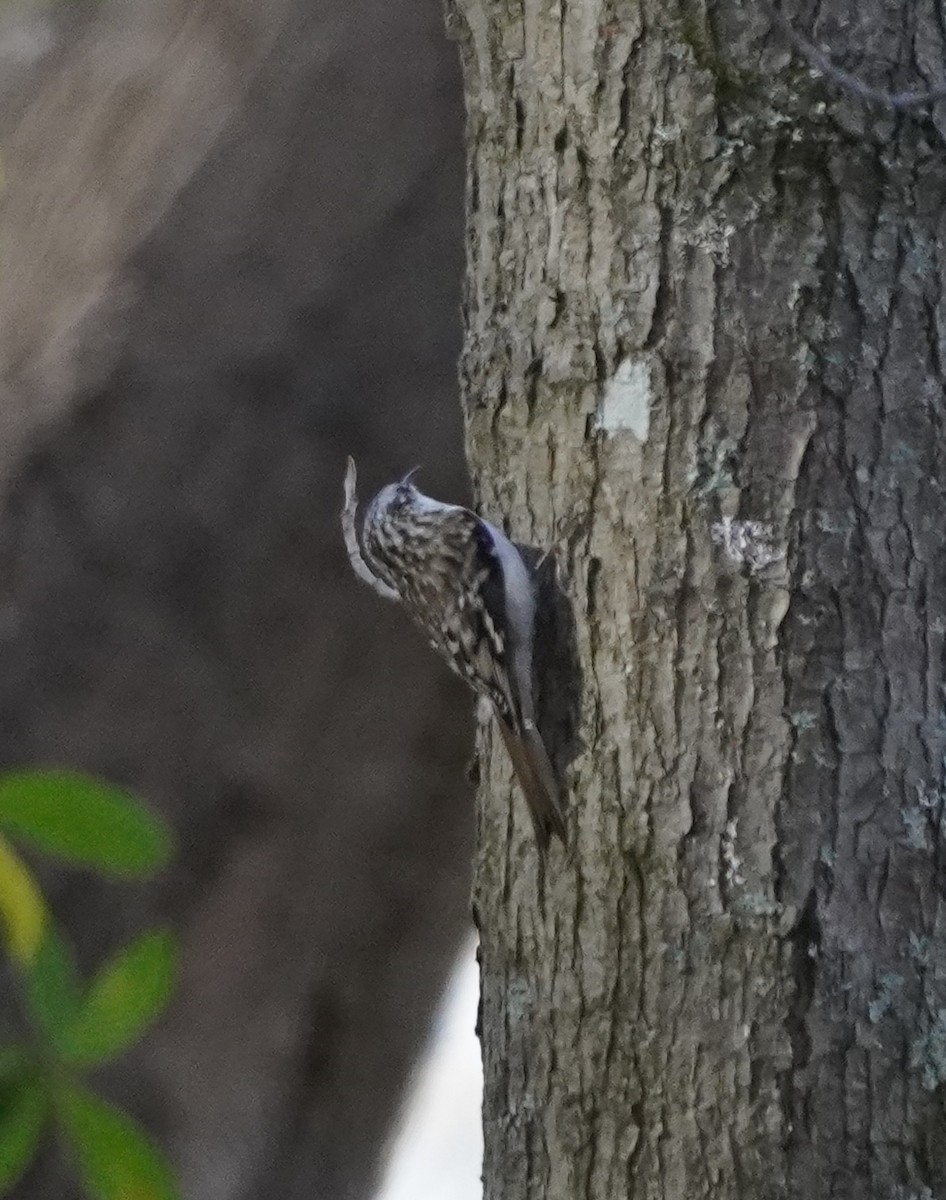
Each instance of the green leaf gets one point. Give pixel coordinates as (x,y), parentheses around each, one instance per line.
(24,1105)
(23,913)
(51,988)
(115,1158)
(80,819)
(124,999)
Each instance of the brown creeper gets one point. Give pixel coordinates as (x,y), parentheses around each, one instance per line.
(466,585)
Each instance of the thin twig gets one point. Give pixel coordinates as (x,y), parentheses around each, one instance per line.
(349,512)
(820,61)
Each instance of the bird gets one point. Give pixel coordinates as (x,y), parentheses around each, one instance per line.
(469,589)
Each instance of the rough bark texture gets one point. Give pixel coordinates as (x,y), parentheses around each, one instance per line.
(704,360)
(231,255)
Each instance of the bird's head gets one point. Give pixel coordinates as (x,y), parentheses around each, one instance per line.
(394,500)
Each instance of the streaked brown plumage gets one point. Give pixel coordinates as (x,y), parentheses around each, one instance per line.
(467,586)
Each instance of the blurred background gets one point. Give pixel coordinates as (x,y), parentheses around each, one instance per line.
(231,254)
(437,1151)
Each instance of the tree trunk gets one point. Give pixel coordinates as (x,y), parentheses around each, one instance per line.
(704,362)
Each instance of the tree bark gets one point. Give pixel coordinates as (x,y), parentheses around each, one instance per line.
(704,363)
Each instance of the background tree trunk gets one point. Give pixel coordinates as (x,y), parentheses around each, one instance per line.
(231,254)
(704,360)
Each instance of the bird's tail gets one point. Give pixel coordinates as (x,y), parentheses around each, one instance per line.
(537,780)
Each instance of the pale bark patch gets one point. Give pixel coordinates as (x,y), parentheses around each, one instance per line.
(750,542)
(627,399)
